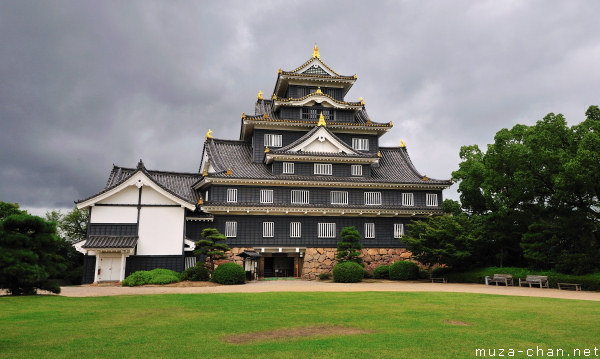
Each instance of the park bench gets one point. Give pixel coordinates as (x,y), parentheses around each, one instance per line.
(538,280)
(574,286)
(507,279)
(439,280)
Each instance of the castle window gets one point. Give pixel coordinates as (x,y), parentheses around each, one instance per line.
(373,198)
(408,199)
(288,168)
(268,229)
(272,140)
(432,199)
(295,229)
(339,197)
(369,230)
(266,196)
(360,144)
(326,230)
(398,230)
(311,113)
(231,194)
(300,196)
(357,170)
(323,169)
(230,229)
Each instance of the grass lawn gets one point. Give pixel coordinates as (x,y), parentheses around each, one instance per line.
(402,325)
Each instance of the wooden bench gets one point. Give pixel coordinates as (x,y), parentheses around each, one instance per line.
(574,286)
(439,280)
(507,279)
(538,280)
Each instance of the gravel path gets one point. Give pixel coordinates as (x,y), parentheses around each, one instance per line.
(317,286)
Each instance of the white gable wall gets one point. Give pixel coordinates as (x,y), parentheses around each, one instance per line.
(160,230)
(150,196)
(128,195)
(112,214)
(321,146)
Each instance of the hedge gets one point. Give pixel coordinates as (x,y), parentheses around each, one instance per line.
(155,276)
(404,270)
(348,272)
(587,281)
(196,273)
(382,272)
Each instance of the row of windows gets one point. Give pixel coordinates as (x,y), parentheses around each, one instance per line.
(272,140)
(325,230)
(321,169)
(337,197)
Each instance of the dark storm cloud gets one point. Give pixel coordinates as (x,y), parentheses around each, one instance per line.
(85,85)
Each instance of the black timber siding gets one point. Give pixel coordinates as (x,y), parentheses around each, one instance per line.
(89,265)
(112,229)
(321,196)
(250,231)
(295,91)
(295,113)
(307,169)
(137,263)
(373,141)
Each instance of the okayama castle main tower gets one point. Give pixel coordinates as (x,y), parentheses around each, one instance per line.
(307,163)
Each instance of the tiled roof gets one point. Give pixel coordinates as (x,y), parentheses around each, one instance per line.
(110,242)
(395,166)
(178,184)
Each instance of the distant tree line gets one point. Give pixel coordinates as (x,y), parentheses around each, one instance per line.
(530,200)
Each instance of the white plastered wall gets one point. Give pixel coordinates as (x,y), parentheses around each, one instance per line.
(150,196)
(160,230)
(128,195)
(112,214)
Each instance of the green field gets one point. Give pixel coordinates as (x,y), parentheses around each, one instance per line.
(402,325)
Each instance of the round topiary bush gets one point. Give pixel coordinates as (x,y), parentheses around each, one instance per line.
(325,276)
(229,273)
(382,272)
(404,270)
(137,278)
(163,276)
(196,273)
(348,272)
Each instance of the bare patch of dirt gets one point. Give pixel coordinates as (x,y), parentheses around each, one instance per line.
(457,322)
(291,333)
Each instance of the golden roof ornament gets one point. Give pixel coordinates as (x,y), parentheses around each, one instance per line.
(355,76)
(265,116)
(362,102)
(229,173)
(368,121)
(204,173)
(209,134)
(279,71)
(259,96)
(425,178)
(319,92)
(402,144)
(316,53)
(267,149)
(378,153)
(200,200)
(243,115)
(322,120)
(274,97)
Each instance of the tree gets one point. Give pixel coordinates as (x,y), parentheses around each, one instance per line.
(536,191)
(348,249)
(29,255)
(443,240)
(210,246)
(71,226)
(7,209)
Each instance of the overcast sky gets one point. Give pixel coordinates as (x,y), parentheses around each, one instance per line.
(84,85)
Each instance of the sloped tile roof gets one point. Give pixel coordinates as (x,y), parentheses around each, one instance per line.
(178,184)
(286,149)
(110,242)
(395,166)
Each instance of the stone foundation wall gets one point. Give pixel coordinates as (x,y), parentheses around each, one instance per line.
(322,260)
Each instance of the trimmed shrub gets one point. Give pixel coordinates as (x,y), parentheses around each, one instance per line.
(325,276)
(368,274)
(196,273)
(404,270)
(348,272)
(382,272)
(155,276)
(229,273)
(137,278)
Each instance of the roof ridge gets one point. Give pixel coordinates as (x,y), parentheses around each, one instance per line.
(157,171)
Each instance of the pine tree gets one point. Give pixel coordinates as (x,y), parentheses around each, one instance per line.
(210,247)
(349,247)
